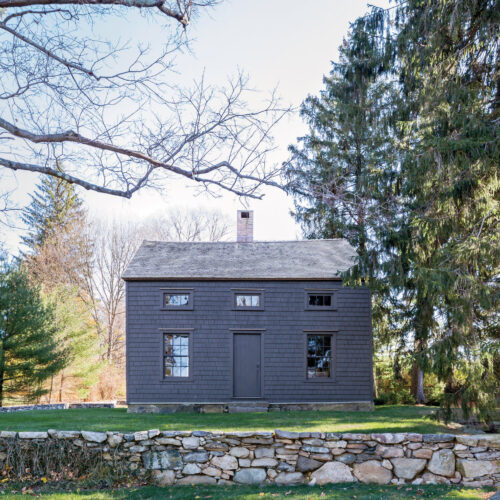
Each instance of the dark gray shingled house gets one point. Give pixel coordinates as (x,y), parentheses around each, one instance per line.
(243,325)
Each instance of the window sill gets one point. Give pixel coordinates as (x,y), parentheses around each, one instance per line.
(176,308)
(321,380)
(248,309)
(320,309)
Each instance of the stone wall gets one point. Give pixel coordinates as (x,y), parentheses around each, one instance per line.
(283,457)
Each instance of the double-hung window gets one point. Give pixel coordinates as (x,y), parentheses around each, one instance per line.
(319,355)
(176,355)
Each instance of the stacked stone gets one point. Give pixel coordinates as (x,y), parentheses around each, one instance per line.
(282,457)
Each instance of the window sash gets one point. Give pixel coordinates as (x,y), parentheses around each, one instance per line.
(176,299)
(247,299)
(319,356)
(176,355)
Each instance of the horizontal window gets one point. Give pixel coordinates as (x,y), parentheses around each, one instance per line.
(248,300)
(320,300)
(177,299)
(319,356)
(176,355)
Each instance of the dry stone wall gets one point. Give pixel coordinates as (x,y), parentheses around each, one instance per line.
(283,457)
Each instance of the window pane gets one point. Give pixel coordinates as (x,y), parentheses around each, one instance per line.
(320,300)
(176,299)
(176,355)
(319,356)
(248,300)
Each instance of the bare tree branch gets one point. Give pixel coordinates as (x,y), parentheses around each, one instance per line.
(106,111)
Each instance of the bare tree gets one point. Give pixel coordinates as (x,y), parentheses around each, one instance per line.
(107,110)
(114,244)
(189,225)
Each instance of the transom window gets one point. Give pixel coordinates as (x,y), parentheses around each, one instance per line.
(247,300)
(176,299)
(176,354)
(319,356)
(320,300)
(251,299)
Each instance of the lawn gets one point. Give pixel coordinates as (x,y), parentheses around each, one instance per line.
(330,492)
(382,419)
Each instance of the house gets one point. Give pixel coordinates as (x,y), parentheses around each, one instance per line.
(235,326)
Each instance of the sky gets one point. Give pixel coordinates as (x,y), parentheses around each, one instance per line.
(288,44)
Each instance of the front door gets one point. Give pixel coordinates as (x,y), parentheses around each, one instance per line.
(246,365)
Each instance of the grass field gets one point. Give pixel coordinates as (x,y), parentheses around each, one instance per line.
(330,492)
(382,419)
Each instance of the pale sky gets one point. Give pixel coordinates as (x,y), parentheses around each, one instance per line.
(283,43)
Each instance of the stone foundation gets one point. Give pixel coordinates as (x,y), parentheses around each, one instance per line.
(245,406)
(57,406)
(281,457)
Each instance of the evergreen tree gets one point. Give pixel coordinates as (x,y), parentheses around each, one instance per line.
(429,213)
(448,63)
(56,238)
(345,173)
(29,353)
(54,207)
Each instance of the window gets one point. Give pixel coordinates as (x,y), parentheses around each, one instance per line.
(320,300)
(248,299)
(176,354)
(319,356)
(177,299)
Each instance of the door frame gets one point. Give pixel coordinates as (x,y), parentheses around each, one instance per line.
(249,331)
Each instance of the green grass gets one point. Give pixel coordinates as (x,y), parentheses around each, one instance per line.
(383,419)
(330,492)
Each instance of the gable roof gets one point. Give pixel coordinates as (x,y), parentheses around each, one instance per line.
(274,260)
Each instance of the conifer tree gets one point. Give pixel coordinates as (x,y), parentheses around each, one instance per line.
(55,205)
(448,62)
(29,353)
(344,172)
(56,240)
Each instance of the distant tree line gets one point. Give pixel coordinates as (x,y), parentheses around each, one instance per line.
(62,329)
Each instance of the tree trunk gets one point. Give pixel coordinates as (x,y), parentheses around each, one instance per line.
(417,384)
(61,387)
(2,372)
(51,388)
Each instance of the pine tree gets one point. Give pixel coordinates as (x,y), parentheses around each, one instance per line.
(433,244)
(448,65)
(345,174)
(56,237)
(54,206)
(29,353)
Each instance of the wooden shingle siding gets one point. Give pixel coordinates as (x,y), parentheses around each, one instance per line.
(283,323)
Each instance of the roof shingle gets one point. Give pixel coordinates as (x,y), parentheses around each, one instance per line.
(305,259)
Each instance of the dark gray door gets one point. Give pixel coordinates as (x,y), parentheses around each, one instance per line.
(246,359)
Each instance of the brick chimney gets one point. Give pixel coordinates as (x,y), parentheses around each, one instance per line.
(244,226)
